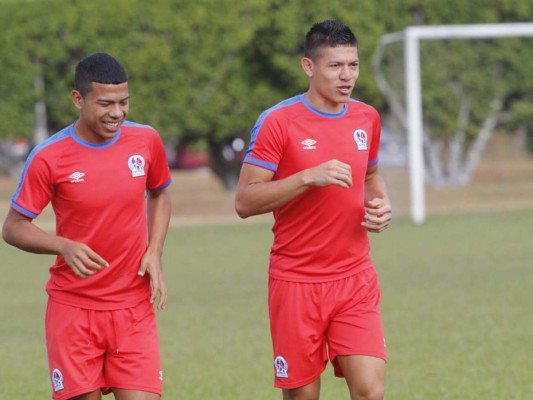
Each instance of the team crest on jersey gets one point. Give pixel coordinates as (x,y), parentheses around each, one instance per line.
(282,367)
(361,139)
(309,144)
(136,165)
(57,380)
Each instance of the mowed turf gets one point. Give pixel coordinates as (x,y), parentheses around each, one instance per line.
(457,299)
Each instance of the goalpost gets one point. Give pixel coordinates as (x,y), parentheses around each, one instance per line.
(411,37)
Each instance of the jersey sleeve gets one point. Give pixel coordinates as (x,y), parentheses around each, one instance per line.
(159,172)
(35,188)
(266,143)
(375,140)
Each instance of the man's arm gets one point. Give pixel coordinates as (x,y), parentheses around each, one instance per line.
(19,231)
(378,210)
(257,193)
(159,210)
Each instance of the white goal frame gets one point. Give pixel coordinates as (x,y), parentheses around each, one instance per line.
(411,37)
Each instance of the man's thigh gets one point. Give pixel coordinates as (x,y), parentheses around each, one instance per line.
(75,359)
(297,329)
(364,375)
(356,327)
(134,362)
(125,394)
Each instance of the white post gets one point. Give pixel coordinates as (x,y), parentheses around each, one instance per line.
(413,87)
(414,124)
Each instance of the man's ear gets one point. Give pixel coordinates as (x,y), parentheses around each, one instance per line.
(307,66)
(77,99)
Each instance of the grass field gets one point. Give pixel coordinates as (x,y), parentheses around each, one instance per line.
(457,297)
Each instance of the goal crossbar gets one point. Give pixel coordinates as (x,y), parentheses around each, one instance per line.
(411,37)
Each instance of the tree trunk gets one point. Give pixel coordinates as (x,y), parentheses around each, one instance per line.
(479,144)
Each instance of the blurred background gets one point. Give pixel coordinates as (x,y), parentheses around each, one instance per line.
(201,72)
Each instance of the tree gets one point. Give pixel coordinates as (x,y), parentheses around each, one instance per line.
(194,74)
(203,71)
(183,60)
(469,87)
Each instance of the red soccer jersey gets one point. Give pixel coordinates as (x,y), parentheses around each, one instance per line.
(98,196)
(318,235)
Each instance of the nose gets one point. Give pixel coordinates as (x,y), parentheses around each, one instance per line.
(116,111)
(346,73)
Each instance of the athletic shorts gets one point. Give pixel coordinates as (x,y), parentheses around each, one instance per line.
(90,350)
(313,322)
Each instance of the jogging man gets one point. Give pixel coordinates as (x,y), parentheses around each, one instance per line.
(312,161)
(105,178)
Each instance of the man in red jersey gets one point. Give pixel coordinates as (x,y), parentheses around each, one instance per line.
(106,180)
(312,161)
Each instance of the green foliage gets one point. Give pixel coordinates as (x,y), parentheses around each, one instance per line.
(462,79)
(208,68)
(17,94)
(474,72)
(456,306)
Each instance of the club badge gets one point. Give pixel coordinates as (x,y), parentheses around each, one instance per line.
(282,367)
(136,165)
(361,139)
(57,380)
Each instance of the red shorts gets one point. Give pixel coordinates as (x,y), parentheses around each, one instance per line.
(311,321)
(90,350)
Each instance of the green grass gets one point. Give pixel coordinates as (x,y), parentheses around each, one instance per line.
(457,297)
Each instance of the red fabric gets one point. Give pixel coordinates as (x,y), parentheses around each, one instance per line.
(318,236)
(92,350)
(98,196)
(313,322)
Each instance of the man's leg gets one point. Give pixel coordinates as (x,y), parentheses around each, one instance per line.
(96,395)
(307,392)
(133,364)
(297,329)
(125,394)
(75,354)
(365,376)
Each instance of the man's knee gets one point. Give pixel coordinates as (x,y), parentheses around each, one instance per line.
(370,391)
(365,376)
(295,394)
(307,392)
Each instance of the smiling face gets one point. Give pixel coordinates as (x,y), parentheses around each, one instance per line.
(101,112)
(332,75)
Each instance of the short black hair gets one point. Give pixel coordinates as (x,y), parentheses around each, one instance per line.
(99,68)
(329,33)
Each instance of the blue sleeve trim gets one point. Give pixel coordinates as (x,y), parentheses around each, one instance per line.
(264,114)
(23,211)
(137,125)
(63,134)
(373,162)
(260,163)
(161,187)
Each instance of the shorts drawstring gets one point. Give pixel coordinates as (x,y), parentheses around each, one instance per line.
(115,330)
(91,322)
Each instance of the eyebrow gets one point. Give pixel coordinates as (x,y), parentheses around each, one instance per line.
(104,100)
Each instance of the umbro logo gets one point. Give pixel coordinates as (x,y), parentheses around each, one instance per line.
(309,144)
(76,177)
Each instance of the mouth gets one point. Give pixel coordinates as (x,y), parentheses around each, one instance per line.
(112,126)
(345,90)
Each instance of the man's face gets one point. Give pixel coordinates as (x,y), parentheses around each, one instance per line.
(102,111)
(332,76)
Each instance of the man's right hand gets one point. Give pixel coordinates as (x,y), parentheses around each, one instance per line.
(81,258)
(332,172)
